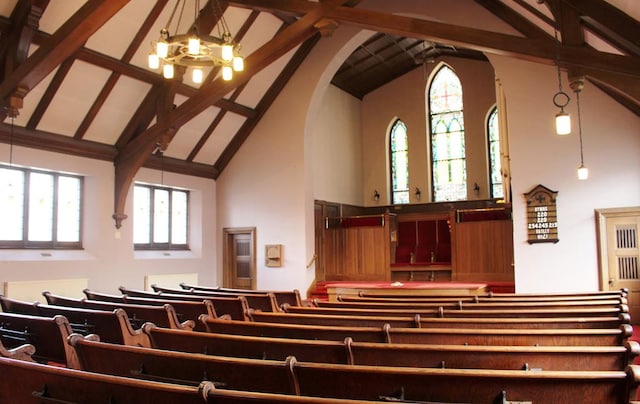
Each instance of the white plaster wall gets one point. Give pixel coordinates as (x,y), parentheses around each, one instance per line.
(106,261)
(611,137)
(337,148)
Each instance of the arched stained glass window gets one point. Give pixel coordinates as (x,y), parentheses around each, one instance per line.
(399,152)
(449,173)
(495,177)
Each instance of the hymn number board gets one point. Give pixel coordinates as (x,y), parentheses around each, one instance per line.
(542,216)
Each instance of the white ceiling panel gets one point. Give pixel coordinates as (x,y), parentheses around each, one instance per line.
(74,98)
(117,111)
(220,138)
(57,13)
(188,135)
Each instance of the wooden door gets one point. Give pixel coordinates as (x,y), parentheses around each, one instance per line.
(239,258)
(621,255)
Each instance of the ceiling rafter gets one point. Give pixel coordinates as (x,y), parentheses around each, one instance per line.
(513,18)
(115,76)
(136,152)
(63,43)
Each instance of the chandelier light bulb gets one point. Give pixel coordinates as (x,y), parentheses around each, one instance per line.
(194,45)
(238,63)
(227,52)
(227,73)
(583,172)
(162,49)
(167,71)
(197,75)
(563,123)
(154,61)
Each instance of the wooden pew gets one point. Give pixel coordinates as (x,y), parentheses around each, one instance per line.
(234,307)
(21,352)
(445,312)
(501,310)
(485,298)
(291,297)
(162,316)
(111,326)
(463,305)
(412,355)
(359,381)
(258,301)
(385,333)
(25,382)
(47,334)
(420,321)
(308,332)
(608,294)
(465,385)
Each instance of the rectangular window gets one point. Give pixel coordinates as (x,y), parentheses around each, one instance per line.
(160,218)
(40,209)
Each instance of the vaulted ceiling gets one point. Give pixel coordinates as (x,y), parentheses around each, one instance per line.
(74,76)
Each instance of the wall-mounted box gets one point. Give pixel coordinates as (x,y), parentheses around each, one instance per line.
(273,255)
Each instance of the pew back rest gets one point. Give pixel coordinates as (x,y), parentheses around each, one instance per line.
(47,334)
(26,382)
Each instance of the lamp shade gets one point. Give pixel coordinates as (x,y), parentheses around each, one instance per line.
(563,123)
(197,75)
(583,172)
(227,73)
(167,71)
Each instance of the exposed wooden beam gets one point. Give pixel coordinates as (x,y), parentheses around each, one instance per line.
(539,50)
(136,152)
(64,42)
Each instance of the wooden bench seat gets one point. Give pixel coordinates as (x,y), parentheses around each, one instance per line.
(606,294)
(25,382)
(463,305)
(449,310)
(383,354)
(483,298)
(291,297)
(162,316)
(358,381)
(258,301)
(47,334)
(430,321)
(386,333)
(111,326)
(233,306)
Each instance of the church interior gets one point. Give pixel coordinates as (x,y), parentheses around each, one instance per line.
(387,168)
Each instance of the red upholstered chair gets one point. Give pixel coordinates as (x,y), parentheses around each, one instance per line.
(403,254)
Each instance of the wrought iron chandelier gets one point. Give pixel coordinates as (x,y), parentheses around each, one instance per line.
(195,50)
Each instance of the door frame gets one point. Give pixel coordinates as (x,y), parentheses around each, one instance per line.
(602,215)
(227,254)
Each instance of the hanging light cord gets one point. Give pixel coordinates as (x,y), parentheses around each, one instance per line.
(555,34)
(580,128)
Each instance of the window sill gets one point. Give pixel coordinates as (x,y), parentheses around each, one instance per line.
(45,255)
(163,254)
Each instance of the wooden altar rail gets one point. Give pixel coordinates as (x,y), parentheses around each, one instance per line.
(353,352)
(358,381)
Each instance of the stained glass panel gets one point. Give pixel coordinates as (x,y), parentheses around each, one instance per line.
(447,137)
(399,163)
(494,155)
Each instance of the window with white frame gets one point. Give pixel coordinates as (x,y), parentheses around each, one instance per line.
(40,209)
(160,218)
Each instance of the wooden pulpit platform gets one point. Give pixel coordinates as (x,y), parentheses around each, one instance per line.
(405,288)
